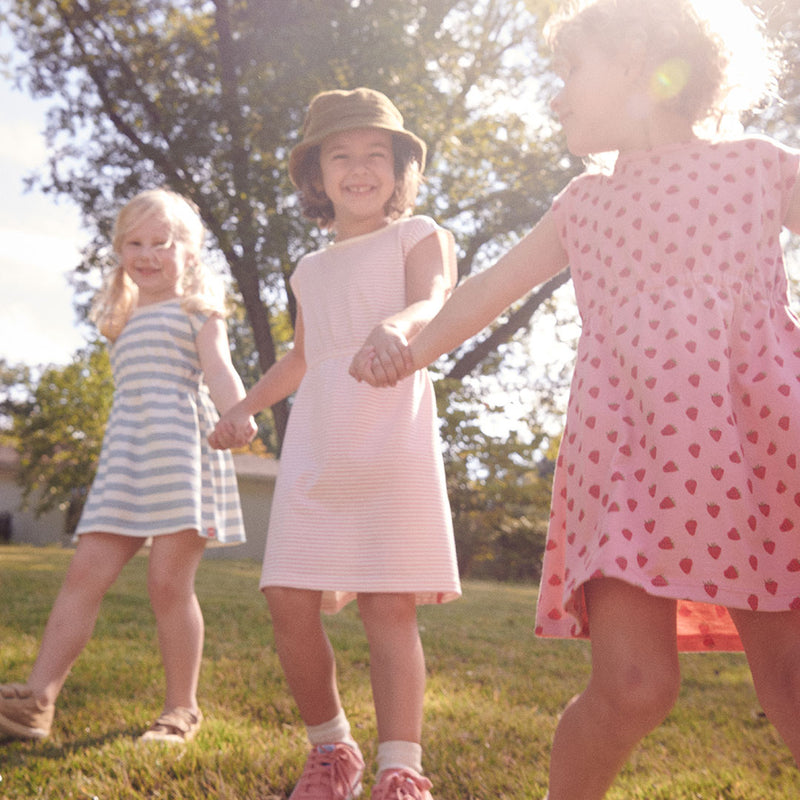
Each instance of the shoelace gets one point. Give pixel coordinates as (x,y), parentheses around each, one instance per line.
(403,785)
(331,766)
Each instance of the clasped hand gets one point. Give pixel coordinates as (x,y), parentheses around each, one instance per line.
(234,429)
(384,358)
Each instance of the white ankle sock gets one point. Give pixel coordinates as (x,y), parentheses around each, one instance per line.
(332,731)
(399,755)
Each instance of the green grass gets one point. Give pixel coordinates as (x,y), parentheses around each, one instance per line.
(494,694)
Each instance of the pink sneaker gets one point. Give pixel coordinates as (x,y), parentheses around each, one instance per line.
(401,784)
(332,772)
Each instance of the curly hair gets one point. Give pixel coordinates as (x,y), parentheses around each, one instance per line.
(199,291)
(316,205)
(708,61)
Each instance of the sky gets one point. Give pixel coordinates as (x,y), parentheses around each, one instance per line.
(40,241)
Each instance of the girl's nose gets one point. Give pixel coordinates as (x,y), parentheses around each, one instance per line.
(150,251)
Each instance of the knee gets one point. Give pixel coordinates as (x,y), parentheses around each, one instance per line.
(778,689)
(293,609)
(165,593)
(388,615)
(641,696)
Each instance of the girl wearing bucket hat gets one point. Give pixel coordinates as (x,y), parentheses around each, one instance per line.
(360,509)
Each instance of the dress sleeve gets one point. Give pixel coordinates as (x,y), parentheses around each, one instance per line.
(414,230)
(196,321)
(562,206)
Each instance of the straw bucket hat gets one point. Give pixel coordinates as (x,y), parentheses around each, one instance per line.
(339,110)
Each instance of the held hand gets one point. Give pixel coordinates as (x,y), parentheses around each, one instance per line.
(361,365)
(221,436)
(364,368)
(381,362)
(233,430)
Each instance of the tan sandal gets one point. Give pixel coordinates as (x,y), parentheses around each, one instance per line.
(178,725)
(21,716)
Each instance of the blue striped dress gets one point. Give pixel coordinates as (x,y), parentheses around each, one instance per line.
(157,473)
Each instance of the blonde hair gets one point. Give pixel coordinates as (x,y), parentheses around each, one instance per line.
(709,60)
(199,291)
(316,205)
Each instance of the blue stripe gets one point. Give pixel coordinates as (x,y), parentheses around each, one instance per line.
(141,493)
(140,508)
(188,424)
(123,438)
(140,471)
(154,461)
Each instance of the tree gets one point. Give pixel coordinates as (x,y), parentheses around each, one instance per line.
(499,490)
(61,440)
(208,98)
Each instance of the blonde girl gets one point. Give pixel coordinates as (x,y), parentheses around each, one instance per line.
(360,509)
(675,509)
(158,478)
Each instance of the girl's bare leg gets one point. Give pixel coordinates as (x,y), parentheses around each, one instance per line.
(397,664)
(98,560)
(174,560)
(772,644)
(305,652)
(634,684)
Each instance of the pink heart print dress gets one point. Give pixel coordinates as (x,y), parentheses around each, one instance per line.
(678,468)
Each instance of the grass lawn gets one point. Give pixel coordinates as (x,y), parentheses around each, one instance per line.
(493,698)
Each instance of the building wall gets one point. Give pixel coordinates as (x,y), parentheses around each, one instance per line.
(25,526)
(255,476)
(255,493)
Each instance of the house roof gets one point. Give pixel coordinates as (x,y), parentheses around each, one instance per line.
(249,465)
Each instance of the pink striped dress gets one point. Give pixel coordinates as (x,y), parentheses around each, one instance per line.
(360,503)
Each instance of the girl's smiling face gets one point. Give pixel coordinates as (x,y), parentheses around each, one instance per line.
(153,260)
(358,177)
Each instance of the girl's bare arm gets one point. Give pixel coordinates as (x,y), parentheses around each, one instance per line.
(481,298)
(430,271)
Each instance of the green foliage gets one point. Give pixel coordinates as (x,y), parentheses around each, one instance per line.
(16,381)
(499,490)
(209,98)
(60,432)
(493,698)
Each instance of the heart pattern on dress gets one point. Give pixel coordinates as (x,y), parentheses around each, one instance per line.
(683,424)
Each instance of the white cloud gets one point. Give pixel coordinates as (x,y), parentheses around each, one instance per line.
(38,323)
(39,245)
